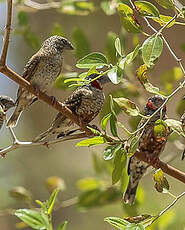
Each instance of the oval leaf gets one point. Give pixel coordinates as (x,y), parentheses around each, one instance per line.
(128,20)
(92,59)
(118,46)
(32,218)
(117,222)
(91,141)
(146,9)
(152,49)
(128,106)
(105,120)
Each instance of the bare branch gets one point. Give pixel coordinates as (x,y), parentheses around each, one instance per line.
(7,33)
(168,207)
(21,144)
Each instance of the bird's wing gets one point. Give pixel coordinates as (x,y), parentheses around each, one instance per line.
(74,101)
(31,67)
(29,70)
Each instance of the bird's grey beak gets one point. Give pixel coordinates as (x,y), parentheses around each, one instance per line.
(69,46)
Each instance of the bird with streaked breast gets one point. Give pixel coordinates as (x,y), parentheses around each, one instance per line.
(41,70)
(85,102)
(149,145)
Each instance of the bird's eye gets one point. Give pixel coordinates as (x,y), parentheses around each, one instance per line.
(150,105)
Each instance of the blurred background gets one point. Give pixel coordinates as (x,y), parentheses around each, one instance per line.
(30,167)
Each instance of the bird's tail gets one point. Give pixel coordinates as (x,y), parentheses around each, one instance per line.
(45,135)
(15,117)
(130,194)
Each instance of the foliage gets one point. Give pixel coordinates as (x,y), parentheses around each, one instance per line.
(119,140)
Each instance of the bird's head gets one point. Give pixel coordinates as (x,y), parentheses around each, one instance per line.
(153,104)
(57,44)
(97,83)
(6,102)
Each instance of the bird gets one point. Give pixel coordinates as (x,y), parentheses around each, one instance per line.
(149,144)
(41,71)
(5,104)
(85,102)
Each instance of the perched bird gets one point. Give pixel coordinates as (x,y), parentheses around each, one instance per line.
(149,144)
(5,104)
(85,102)
(41,70)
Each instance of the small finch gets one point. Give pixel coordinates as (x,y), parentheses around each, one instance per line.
(85,102)
(149,145)
(5,104)
(41,70)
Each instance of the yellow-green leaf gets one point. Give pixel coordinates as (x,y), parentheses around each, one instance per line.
(92,141)
(128,106)
(152,49)
(128,20)
(146,9)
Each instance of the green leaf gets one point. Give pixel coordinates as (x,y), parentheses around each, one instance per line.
(115,74)
(128,106)
(80,42)
(57,30)
(128,20)
(88,183)
(105,120)
(108,7)
(133,226)
(110,151)
(161,184)
(92,141)
(32,218)
(62,226)
(146,9)
(73,7)
(118,46)
(117,222)
(110,50)
(129,58)
(133,145)
(152,89)
(176,126)
(113,127)
(163,19)
(152,49)
(22,18)
(119,165)
(52,200)
(167,4)
(92,59)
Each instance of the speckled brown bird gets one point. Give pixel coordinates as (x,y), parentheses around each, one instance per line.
(5,104)
(149,144)
(41,70)
(85,102)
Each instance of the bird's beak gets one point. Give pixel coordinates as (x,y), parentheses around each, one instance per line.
(69,46)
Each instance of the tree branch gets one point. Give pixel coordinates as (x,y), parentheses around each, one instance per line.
(7,33)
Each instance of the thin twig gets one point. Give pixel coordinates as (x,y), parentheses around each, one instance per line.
(7,33)
(168,207)
(19,144)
